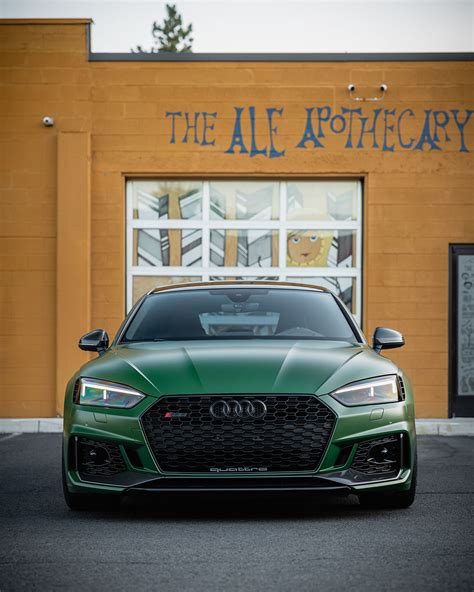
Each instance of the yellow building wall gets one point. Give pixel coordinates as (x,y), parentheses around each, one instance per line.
(416,202)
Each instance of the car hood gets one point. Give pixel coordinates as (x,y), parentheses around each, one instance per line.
(238,366)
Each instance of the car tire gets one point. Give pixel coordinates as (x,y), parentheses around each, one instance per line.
(398,500)
(87,502)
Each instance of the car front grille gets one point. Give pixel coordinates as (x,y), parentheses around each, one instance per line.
(185,437)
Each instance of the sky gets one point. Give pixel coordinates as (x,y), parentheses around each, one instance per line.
(273,25)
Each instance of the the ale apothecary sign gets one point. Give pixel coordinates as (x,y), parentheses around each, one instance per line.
(257,132)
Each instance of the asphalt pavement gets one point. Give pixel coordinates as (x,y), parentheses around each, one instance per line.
(228,542)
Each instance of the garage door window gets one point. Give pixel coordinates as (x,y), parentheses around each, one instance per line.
(188,230)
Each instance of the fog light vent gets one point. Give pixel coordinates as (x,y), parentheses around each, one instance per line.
(95,458)
(379,456)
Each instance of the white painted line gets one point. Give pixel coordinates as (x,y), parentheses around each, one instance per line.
(10,436)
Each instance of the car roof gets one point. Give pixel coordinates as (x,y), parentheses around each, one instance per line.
(224,284)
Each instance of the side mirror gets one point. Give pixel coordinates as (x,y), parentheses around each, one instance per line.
(386,339)
(96,340)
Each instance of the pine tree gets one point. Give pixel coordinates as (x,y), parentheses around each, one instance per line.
(170,36)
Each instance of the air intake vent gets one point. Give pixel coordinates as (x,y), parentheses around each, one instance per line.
(402,387)
(98,459)
(380,456)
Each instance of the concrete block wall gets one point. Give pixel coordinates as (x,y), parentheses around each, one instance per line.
(415,202)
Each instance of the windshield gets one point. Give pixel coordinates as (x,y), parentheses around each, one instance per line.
(239,313)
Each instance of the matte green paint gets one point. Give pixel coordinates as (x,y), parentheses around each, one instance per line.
(240,366)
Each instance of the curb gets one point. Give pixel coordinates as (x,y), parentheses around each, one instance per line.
(47,425)
(460,426)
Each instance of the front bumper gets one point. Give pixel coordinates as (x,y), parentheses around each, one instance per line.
(122,431)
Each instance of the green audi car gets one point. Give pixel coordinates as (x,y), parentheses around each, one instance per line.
(252,386)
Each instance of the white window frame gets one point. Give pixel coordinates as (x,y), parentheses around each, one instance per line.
(205,224)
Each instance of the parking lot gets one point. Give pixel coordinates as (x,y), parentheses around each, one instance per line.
(225,542)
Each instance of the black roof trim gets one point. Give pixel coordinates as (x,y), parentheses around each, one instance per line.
(212,285)
(275,57)
(281,57)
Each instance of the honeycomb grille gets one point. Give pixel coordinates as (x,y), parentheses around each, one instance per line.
(365,463)
(185,437)
(98,459)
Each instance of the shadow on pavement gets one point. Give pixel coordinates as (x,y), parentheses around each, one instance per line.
(231,506)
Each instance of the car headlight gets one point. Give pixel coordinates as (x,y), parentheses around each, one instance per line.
(105,394)
(384,389)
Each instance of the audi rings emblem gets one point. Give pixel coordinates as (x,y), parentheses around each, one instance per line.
(254,409)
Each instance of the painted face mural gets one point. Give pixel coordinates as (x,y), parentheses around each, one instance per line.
(308,247)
